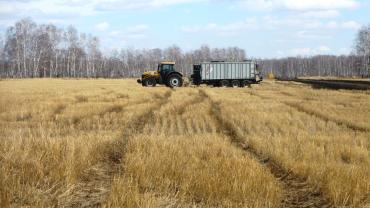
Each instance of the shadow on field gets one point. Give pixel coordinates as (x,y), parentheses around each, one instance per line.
(334,84)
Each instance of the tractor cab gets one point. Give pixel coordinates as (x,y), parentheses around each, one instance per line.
(165,67)
(165,74)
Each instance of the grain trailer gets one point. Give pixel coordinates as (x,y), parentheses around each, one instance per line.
(227,74)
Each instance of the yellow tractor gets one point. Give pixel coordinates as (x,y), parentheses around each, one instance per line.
(165,74)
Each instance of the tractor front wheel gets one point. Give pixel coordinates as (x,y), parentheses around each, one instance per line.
(150,82)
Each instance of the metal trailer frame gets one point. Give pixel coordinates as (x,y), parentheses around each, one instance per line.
(235,74)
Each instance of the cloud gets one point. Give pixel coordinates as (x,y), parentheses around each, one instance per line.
(233,28)
(138,29)
(321,14)
(113,5)
(351,25)
(299,5)
(318,4)
(84,7)
(306,51)
(310,51)
(134,32)
(103,26)
(301,23)
(43,11)
(311,35)
(45,7)
(67,10)
(305,27)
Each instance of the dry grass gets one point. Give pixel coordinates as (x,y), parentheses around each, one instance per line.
(51,130)
(315,139)
(338,78)
(184,161)
(62,138)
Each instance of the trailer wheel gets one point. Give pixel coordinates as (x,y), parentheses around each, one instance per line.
(245,83)
(150,82)
(224,83)
(174,81)
(235,84)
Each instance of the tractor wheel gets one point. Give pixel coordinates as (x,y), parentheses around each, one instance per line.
(150,82)
(224,83)
(235,83)
(174,81)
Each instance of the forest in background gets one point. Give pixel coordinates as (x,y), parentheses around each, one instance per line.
(29,50)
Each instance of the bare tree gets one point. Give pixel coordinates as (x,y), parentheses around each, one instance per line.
(362,46)
(31,50)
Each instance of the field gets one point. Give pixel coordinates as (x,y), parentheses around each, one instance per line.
(113,143)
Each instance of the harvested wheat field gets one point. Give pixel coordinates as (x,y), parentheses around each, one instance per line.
(113,143)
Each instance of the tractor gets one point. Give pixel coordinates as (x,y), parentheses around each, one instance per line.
(165,74)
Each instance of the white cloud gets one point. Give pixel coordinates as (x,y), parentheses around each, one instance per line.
(85,7)
(318,4)
(103,26)
(290,22)
(311,35)
(299,5)
(138,28)
(321,14)
(297,29)
(43,11)
(233,28)
(67,10)
(135,32)
(45,7)
(138,4)
(324,49)
(346,25)
(351,25)
(310,51)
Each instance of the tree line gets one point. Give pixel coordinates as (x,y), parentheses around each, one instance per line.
(320,65)
(32,50)
(356,64)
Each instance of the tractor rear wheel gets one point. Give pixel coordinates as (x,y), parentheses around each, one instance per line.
(150,82)
(174,81)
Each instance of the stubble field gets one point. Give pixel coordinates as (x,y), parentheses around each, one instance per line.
(113,143)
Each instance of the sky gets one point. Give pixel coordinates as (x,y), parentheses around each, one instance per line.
(264,28)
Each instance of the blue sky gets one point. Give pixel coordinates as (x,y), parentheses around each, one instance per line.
(264,28)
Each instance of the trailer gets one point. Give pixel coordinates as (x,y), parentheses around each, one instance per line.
(227,74)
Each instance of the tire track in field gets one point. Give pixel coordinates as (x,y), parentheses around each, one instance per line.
(298,193)
(96,182)
(197,100)
(179,125)
(117,108)
(314,113)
